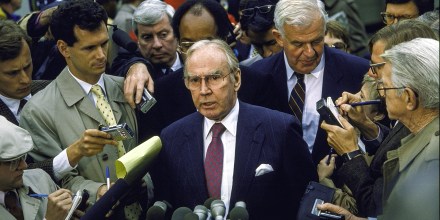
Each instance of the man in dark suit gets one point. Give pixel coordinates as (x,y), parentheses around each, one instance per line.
(325,71)
(157,44)
(262,161)
(173,99)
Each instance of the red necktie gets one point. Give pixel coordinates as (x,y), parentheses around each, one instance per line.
(214,161)
(297,97)
(13,206)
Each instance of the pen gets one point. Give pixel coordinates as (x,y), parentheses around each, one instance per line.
(371,102)
(107,174)
(38,195)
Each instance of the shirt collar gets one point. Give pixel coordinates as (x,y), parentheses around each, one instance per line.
(230,121)
(87,86)
(12,103)
(176,65)
(316,72)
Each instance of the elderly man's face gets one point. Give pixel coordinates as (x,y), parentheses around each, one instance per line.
(376,59)
(213,102)
(395,103)
(11,179)
(16,74)
(158,43)
(303,45)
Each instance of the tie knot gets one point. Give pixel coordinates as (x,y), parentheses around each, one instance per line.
(217,130)
(96,89)
(11,199)
(22,103)
(299,76)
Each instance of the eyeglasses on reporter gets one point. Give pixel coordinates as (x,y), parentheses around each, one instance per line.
(261,9)
(388,18)
(13,164)
(374,66)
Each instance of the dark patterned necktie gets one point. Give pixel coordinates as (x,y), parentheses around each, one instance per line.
(297,97)
(13,206)
(214,161)
(20,107)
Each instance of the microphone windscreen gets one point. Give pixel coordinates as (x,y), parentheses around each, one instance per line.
(208,202)
(239,213)
(155,213)
(191,216)
(180,213)
(218,208)
(122,39)
(107,201)
(201,211)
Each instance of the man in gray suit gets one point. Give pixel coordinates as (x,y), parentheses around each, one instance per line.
(63,117)
(17,184)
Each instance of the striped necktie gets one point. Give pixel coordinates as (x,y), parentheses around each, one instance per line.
(297,97)
(13,205)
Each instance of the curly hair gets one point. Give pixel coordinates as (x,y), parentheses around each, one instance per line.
(85,14)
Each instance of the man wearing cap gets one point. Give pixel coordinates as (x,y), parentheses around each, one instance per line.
(17,184)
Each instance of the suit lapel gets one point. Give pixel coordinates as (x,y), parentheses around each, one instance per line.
(280,78)
(73,94)
(29,205)
(331,77)
(194,153)
(249,142)
(6,112)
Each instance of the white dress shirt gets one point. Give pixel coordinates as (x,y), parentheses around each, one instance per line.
(313,82)
(228,138)
(176,65)
(13,104)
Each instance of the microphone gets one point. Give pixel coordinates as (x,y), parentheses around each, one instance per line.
(191,216)
(122,39)
(208,202)
(201,211)
(218,209)
(180,213)
(239,212)
(157,211)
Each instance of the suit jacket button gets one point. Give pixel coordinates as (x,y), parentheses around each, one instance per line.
(105,157)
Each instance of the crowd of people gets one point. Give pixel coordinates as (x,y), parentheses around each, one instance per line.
(236,109)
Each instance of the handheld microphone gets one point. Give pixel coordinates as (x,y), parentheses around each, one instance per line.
(201,211)
(191,216)
(208,202)
(239,212)
(180,213)
(157,211)
(218,209)
(122,39)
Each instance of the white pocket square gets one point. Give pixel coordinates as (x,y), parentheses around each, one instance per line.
(263,169)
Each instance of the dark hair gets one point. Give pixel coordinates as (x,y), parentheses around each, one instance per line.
(258,23)
(402,31)
(195,7)
(422,5)
(11,36)
(337,30)
(86,14)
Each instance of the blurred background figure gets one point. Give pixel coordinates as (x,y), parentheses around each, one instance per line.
(396,10)
(7,9)
(337,36)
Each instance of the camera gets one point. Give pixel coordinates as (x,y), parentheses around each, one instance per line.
(118,132)
(147,102)
(324,214)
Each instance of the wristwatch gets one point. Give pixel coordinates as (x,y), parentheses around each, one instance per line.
(350,155)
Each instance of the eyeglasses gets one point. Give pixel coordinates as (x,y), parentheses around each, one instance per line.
(338,45)
(13,164)
(374,66)
(382,90)
(261,9)
(212,81)
(184,46)
(389,18)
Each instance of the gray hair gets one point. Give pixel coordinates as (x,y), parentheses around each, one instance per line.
(299,13)
(415,64)
(150,12)
(221,45)
(430,18)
